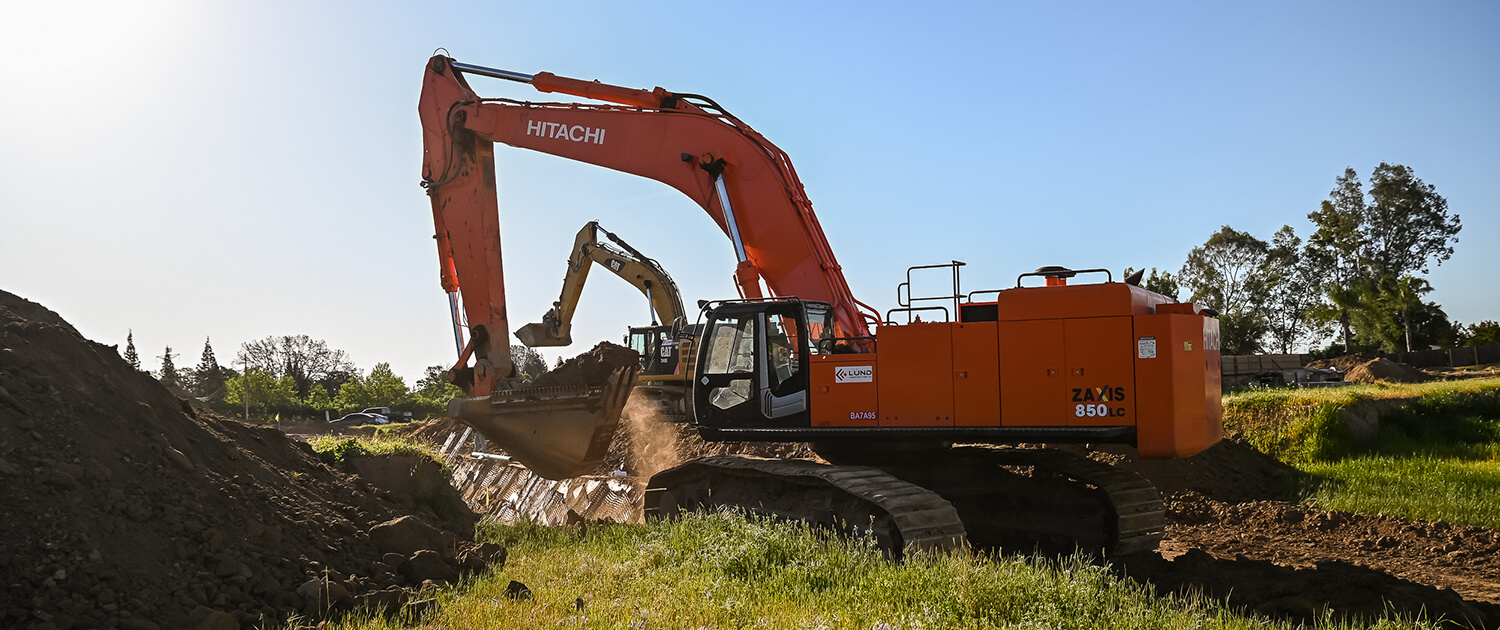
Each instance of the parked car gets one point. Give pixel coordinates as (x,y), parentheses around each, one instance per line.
(358,420)
(393,416)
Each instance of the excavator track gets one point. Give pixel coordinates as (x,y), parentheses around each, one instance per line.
(1022,499)
(994,498)
(1138,516)
(855,499)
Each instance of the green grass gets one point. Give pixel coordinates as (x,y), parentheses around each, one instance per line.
(1303,426)
(1456,489)
(724,571)
(337,451)
(1435,457)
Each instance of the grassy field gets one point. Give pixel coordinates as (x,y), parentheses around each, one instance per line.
(724,571)
(1435,457)
(1429,487)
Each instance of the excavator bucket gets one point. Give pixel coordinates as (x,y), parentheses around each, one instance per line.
(558,432)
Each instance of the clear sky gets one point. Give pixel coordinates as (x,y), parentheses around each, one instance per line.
(244,169)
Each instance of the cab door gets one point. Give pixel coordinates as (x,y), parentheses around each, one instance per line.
(783,375)
(752,367)
(725,388)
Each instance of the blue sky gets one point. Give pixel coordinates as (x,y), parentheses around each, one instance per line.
(238,170)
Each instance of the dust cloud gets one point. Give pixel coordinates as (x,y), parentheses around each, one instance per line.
(654,443)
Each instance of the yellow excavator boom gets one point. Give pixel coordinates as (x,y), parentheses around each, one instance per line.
(619,258)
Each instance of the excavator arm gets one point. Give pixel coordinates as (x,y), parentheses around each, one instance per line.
(744,182)
(625,261)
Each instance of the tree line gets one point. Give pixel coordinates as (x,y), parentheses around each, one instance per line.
(1358,279)
(298,376)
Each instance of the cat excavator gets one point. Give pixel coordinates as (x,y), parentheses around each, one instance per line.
(921,421)
(666,353)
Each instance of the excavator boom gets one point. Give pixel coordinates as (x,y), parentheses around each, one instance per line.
(743,181)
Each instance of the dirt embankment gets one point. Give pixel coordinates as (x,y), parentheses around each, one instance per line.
(1235,532)
(126,507)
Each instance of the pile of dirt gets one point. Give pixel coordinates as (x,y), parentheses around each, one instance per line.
(590,368)
(127,507)
(1342,364)
(1231,470)
(1289,560)
(1385,371)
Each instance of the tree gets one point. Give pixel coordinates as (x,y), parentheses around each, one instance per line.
(1403,296)
(169,373)
(1336,247)
(319,400)
(382,388)
(208,377)
(267,393)
(1225,274)
(1294,292)
(1483,333)
(529,363)
(384,385)
(1365,246)
(1407,224)
(435,386)
(308,361)
(131,357)
(1381,327)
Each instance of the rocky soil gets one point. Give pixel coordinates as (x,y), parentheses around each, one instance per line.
(128,508)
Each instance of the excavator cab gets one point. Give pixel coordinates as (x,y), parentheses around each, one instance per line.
(657,347)
(753,362)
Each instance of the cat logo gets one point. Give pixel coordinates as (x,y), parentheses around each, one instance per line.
(614,265)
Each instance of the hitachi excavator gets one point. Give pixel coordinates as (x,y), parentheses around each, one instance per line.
(666,352)
(919,420)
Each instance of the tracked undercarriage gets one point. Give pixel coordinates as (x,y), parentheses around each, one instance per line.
(1006,498)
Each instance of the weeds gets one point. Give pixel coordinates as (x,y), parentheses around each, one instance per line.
(337,451)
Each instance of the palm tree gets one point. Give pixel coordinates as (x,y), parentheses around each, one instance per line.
(1404,295)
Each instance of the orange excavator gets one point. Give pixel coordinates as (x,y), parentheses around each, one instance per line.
(919,420)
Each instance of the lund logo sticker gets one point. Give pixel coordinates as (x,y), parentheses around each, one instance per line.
(854,374)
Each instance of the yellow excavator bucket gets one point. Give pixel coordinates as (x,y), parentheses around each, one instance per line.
(557,432)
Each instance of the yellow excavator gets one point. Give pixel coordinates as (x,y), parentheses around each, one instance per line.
(666,346)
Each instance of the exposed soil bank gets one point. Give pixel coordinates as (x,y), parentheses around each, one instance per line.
(127,507)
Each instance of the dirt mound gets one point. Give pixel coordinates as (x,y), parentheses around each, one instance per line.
(590,368)
(1286,559)
(127,507)
(1343,363)
(1385,371)
(1231,470)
